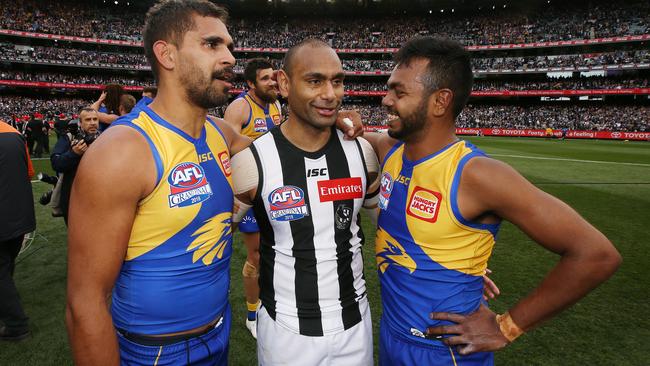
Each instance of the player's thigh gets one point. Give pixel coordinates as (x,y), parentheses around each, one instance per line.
(354,346)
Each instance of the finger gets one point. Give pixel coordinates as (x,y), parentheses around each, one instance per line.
(488,271)
(454,341)
(466,349)
(490,286)
(456,318)
(443,329)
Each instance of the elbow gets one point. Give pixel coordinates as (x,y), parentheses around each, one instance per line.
(606,260)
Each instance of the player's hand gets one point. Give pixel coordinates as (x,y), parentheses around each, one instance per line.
(490,289)
(350,132)
(476,332)
(102,96)
(80,147)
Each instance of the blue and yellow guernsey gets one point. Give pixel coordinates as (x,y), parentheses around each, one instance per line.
(260,119)
(429,257)
(175,276)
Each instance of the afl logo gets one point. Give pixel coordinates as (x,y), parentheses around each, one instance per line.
(287,203)
(186,175)
(385,190)
(188,185)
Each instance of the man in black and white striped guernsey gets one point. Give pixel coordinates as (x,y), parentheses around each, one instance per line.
(307,184)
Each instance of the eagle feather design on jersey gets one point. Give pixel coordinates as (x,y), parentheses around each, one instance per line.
(389,251)
(211,238)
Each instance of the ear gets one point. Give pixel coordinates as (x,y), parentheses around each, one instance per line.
(250,84)
(440,102)
(283,83)
(165,54)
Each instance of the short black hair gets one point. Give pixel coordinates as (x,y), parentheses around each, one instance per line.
(250,71)
(449,66)
(169,20)
(287,62)
(150,89)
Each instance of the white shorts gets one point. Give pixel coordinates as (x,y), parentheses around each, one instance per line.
(277,345)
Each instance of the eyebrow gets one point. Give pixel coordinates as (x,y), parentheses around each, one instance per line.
(319,75)
(395,84)
(218,40)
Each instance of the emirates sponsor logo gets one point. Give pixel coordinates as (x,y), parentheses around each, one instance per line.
(340,189)
(424,204)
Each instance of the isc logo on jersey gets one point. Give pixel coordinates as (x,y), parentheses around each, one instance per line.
(385,190)
(260,125)
(188,185)
(424,204)
(287,203)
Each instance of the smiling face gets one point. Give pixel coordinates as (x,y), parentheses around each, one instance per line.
(407,99)
(205,62)
(314,86)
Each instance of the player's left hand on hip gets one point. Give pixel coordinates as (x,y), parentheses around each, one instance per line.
(476,332)
(343,123)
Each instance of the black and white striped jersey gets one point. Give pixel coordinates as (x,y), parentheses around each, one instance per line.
(307,207)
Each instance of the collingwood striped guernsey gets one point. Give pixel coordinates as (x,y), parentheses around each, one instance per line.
(307,207)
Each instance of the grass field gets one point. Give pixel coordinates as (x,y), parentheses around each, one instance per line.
(608,182)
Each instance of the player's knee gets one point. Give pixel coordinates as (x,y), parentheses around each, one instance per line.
(250,271)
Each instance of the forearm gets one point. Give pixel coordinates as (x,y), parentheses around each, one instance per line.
(570,280)
(92,335)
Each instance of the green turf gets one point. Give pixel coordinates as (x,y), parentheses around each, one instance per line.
(609,327)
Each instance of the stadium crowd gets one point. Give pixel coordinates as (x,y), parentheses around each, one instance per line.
(592,82)
(496,25)
(573,117)
(40,54)
(578,117)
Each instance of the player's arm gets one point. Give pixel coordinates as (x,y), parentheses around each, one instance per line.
(588,258)
(237,113)
(245,179)
(236,141)
(107,118)
(372,191)
(104,199)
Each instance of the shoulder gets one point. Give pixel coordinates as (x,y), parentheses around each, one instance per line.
(235,141)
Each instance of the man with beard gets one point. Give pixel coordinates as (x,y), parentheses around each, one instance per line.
(152,223)
(68,152)
(306,185)
(441,203)
(254,112)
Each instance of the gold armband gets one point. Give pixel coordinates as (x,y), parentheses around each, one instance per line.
(508,327)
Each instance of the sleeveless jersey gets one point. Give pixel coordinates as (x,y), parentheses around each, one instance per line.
(175,275)
(429,258)
(307,207)
(260,119)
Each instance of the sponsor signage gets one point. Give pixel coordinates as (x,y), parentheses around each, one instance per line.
(340,189)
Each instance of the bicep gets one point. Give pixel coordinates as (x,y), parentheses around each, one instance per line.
(101,214)
(547,220)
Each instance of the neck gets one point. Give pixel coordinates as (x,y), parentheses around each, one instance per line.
(176,109)
(430,140)
(305,136)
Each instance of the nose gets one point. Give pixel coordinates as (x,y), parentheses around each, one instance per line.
(387,101)
(228,59)
(327,92)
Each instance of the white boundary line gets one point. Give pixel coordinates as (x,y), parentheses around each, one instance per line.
(573,160)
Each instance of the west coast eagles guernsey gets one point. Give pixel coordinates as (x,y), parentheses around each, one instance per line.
(429,258)
(260,118)
(175,275)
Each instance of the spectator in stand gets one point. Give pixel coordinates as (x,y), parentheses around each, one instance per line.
(17,217)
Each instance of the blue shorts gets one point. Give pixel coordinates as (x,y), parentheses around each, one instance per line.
(208,349)
(396,351)
(248,224)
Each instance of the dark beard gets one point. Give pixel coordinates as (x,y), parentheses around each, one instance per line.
(200,90)
(411,124)
(266,98)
